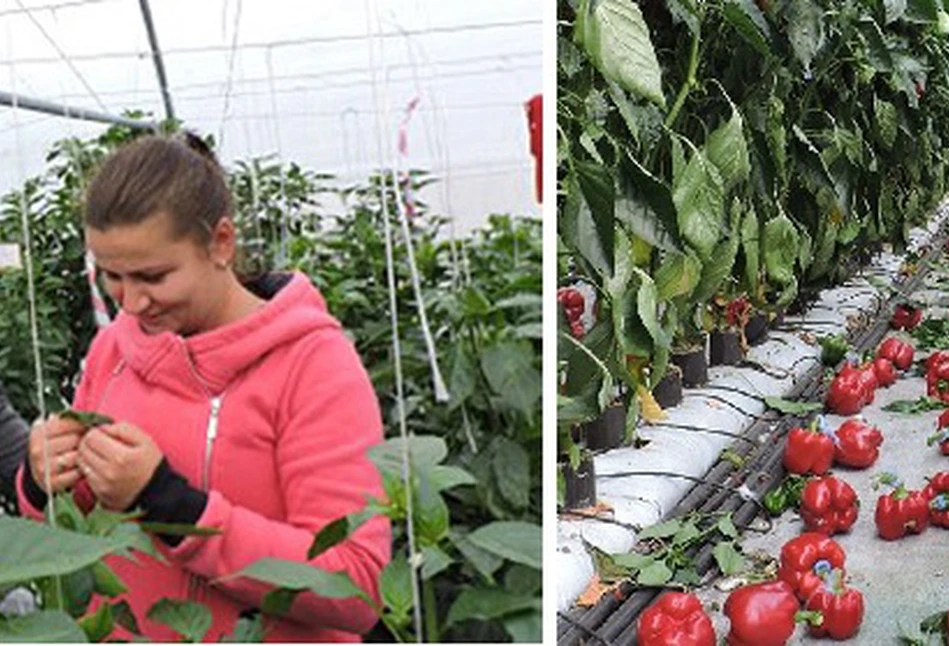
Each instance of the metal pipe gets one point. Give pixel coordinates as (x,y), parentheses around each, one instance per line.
(156,56)
(59,110)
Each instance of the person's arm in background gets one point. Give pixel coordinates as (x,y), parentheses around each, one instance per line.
(14,436)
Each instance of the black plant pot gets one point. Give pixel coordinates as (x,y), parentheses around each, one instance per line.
(725,349)
(668,392)
(756,331)
(608,431)
(778,320)
(580,489)
(694,366)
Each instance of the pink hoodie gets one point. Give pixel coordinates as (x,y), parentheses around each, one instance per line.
(284,454)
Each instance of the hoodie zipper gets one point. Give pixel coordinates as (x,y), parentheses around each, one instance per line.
(209,438)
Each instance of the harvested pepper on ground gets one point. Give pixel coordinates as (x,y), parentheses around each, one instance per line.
(809,450)
(829,506)
(761,614)
(940,356)
(858,444)
(841,609)
(676,619)
(897,351)
(906,317)
(937,380)
(901,511)
(787,495)
(848,392)
(941,436)
(833,349)
(807,559)
(937,495)
(885,372)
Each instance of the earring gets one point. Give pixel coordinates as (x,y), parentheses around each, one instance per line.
(222,264)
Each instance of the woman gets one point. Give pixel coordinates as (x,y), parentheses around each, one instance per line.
(238,406)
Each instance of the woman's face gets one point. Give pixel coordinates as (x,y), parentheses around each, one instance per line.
(168,284)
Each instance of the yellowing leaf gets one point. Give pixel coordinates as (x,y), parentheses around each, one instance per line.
(651,410)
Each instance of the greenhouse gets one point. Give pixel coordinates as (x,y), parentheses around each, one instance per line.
(752,305)
(271,290)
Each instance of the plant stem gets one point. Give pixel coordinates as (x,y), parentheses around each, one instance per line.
(689,82)
(431,612)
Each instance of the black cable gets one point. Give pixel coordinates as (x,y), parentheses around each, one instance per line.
(590,631)
(757,418)
(714,431)
(738,391)
(611,521)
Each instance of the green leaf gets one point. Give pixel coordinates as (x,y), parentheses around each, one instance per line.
(189,619)
(434,562)
(486,604)
(425,451)
(698,197)
(523,580)
(633,561)
(99,624)
(645,207)
(656,574)
(299,576)
(685,11)
(86,418)
(727,150)
(914,407)
(509,367)
(395,586)
(647,306)
(750,247)
(661,530)
(106,582)
(728,559)
(791,407)
(887,121)
(727,527)
(516,541)
(716,270)
(485,562)
(779,245)
(463,380)
(277,603)
(29,550)
(337,531)
(524,627)
(247,631)
(447,477)
(805,30)
(595,224)
(678,275)
(750,23)
(617,40)
(510,466)
(123,616)
(45,626)
(430,513)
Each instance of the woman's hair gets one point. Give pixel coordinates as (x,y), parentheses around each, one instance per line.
(158,174)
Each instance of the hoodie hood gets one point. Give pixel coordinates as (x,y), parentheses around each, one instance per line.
(213,359)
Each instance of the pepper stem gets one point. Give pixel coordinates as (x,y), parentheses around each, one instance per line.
(810,617)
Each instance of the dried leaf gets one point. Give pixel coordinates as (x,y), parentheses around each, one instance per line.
(651,410)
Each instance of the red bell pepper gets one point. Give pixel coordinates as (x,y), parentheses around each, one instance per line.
(806,560)
(937,380)
(901,511)
(906,317)
(868,377)
(841,609)
(573,304)
(761,614)
(809,450)
(858,444)
(940,356)
(937,495)
(899,352)
(676,619)
(848,392)
(941,435)
(829,506)
(885,372)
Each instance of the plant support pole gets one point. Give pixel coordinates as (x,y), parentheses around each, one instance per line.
(156,56)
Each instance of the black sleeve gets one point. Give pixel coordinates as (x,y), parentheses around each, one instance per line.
(14,438)
(168,498)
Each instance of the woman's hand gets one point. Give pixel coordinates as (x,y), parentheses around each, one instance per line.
(117,461)
(53,445)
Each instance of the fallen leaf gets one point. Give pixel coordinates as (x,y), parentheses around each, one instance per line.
(595,589)
(648,406)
